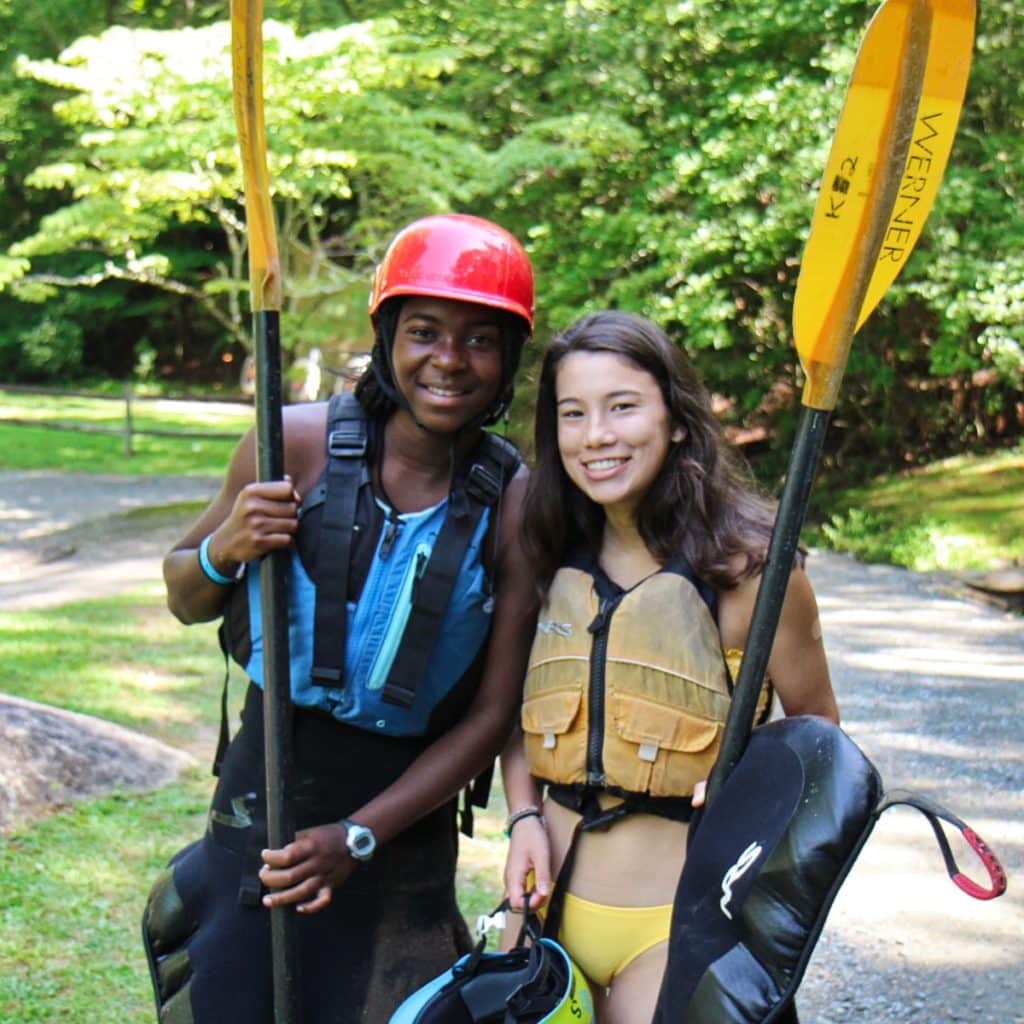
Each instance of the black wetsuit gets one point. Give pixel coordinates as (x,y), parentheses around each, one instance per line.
(391,927)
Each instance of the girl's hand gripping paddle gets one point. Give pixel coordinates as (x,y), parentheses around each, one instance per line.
(265,283)
(887,159)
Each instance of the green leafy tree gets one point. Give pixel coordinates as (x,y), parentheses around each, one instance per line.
(665,159)
(30,134)
(153,172)
(659,157)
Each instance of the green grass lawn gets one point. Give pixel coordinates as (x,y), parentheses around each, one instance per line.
(124,659)
(75,882)
(71,905)
(26,447)
(960,513)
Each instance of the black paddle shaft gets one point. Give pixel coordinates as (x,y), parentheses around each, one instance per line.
(277,703)
(803,463)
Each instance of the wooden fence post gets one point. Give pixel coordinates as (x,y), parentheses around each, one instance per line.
(128,418)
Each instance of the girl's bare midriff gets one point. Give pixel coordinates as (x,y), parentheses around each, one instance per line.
(634,863)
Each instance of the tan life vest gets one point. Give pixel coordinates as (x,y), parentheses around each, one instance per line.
(625,691)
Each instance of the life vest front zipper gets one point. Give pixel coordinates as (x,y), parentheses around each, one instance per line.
(378,571)
(391,527)
(595,693)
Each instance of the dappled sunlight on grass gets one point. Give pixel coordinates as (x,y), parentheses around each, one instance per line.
(153,681)
(961,513)
(74,888)
(124,659)
(39,448)
(165,414)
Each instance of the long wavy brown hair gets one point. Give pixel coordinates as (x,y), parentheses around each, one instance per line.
(703,504)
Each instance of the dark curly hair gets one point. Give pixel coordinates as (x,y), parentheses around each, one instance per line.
(703,503)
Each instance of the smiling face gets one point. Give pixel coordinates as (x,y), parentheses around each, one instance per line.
(447,360)
(613,428)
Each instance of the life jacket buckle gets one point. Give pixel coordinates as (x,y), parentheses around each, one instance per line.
(396,693)
(604,819)
(482,485)
(325,676)
(347,442)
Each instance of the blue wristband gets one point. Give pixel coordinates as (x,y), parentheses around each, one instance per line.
(207,566)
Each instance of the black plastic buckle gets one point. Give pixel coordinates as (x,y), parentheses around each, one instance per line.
(481,485)
(395,693)
(605,818)
(322,676)
(346,443)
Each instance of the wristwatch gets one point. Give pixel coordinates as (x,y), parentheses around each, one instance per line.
(359,839)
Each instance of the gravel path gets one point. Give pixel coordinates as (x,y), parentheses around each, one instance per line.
(930,685)
(64,536)
(35,503)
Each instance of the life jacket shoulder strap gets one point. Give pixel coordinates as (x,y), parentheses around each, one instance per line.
(346,465)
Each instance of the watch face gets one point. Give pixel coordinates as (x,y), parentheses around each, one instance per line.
(360,841)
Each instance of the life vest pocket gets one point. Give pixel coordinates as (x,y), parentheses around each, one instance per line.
(656,748)
(555,740)
(401,609)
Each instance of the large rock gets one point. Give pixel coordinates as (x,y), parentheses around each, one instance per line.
(1002,586)
(50,757)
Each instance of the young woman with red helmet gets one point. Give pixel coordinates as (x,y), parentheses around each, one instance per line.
(405,676)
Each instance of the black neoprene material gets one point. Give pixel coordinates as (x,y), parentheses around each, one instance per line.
(762,870)
(392,926)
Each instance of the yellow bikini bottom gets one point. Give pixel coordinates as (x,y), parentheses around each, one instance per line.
(604,940)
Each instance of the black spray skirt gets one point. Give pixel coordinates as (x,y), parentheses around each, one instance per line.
(390,928)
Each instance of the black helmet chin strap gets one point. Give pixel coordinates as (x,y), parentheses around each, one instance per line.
(383,372)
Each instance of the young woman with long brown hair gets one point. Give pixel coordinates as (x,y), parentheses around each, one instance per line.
(647,540)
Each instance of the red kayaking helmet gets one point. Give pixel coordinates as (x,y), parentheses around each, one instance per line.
(456,256)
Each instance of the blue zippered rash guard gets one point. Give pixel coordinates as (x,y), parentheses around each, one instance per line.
(375,625)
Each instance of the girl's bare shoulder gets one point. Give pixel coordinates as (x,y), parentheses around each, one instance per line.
(305,427)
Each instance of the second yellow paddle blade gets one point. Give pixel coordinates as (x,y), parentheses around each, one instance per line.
(887,160)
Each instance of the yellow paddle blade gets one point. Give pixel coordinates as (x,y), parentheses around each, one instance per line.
(247,84)
(887,160)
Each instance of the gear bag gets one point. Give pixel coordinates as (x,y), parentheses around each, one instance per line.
(764,867)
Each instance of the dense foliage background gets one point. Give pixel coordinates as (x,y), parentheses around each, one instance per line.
(660,157)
